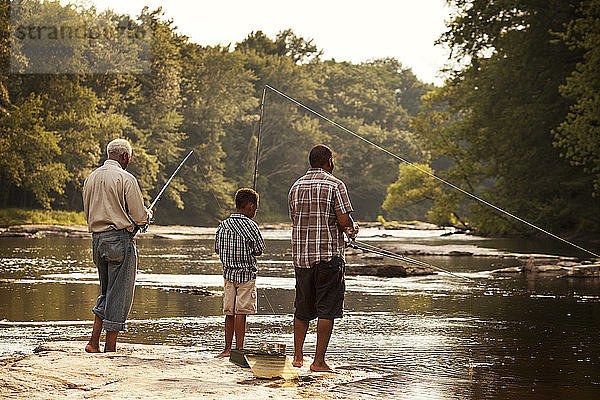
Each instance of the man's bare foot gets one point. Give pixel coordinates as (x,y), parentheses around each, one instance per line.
(224,353)
(297,363)
(320,367)
(89,348)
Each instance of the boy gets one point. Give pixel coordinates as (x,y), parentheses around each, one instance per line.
(238,241)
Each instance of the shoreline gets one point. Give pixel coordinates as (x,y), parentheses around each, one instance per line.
(182,232)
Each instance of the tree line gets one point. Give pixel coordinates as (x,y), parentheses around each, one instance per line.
(516,122)
(54,127)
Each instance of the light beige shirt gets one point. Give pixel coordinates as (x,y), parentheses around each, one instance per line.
(112,199)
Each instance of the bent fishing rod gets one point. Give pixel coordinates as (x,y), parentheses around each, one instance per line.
(144,228)
(463,191)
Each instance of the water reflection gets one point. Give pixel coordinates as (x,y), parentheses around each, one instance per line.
(430,337)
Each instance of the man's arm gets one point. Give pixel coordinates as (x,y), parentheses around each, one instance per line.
(343,208)
(345,221)
(86,200)
(348,225)
(135,203)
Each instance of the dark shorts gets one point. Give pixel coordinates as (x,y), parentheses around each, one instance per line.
(320,290)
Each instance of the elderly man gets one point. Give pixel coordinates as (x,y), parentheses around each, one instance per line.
(113,206)
(320,211)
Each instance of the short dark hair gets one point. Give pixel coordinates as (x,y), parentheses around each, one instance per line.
(244,196)
(319,155)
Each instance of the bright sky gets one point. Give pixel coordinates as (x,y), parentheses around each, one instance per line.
(346,30)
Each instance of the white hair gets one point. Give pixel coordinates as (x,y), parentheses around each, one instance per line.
(118,147)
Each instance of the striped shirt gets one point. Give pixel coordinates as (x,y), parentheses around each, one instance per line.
(238,241)
(315,200)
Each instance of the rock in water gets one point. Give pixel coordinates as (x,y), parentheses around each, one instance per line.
(387,270)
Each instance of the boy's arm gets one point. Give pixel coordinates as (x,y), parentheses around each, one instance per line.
(217,244)
(258,242)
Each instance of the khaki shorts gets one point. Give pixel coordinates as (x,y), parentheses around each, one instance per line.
(239,298)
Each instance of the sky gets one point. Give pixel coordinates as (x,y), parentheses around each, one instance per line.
(347,30)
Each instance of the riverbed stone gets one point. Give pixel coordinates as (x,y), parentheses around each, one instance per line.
(387,270)
(64,370)
(585,271)
(563,269)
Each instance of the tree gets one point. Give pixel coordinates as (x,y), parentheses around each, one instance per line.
(217,91)
(31,153)
(503,106)
(579,134)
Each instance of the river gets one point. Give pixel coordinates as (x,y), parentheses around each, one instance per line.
(430,337)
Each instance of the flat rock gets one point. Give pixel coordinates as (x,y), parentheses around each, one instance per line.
(64,370)
(563,269)
(584,271)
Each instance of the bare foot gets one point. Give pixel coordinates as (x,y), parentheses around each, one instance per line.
(321,367)
(297,363)
(225,353)
(89,348)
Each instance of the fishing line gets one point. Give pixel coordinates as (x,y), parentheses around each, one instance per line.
(355,244)
(427,172)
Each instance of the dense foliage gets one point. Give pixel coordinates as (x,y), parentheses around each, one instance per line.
(54,127)
(518,123)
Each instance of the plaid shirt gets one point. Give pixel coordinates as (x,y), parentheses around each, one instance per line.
(238,241)
(314,202)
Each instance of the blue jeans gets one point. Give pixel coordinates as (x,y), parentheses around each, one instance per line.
(115,256)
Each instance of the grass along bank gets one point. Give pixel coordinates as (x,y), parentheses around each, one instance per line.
(21,216)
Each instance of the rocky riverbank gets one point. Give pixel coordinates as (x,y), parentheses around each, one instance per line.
(63,370)
(567,269)
(191,232)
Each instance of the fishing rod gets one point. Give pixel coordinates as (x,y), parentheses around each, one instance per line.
(473,196)
(385,253)
(169,181)
(144,228)
(260,123)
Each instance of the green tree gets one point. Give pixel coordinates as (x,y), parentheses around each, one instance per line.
(579,135)
(30,162)
(287,133)
(217,91)
(156,112)
(503,106)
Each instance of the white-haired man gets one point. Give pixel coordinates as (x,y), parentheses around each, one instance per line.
(113,206)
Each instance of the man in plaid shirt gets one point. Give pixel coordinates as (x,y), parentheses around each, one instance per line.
(320,209)
(238,241)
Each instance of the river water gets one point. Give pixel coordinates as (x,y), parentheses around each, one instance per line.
(434,337)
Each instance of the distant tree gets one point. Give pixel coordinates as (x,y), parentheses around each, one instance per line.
(579,135)
(217,91)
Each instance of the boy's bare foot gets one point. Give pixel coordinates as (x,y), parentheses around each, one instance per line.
(321,367)
(89,348)
(297,363)
(225,353)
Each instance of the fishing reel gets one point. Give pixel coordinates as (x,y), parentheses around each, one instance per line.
(144,228)
(351,231)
